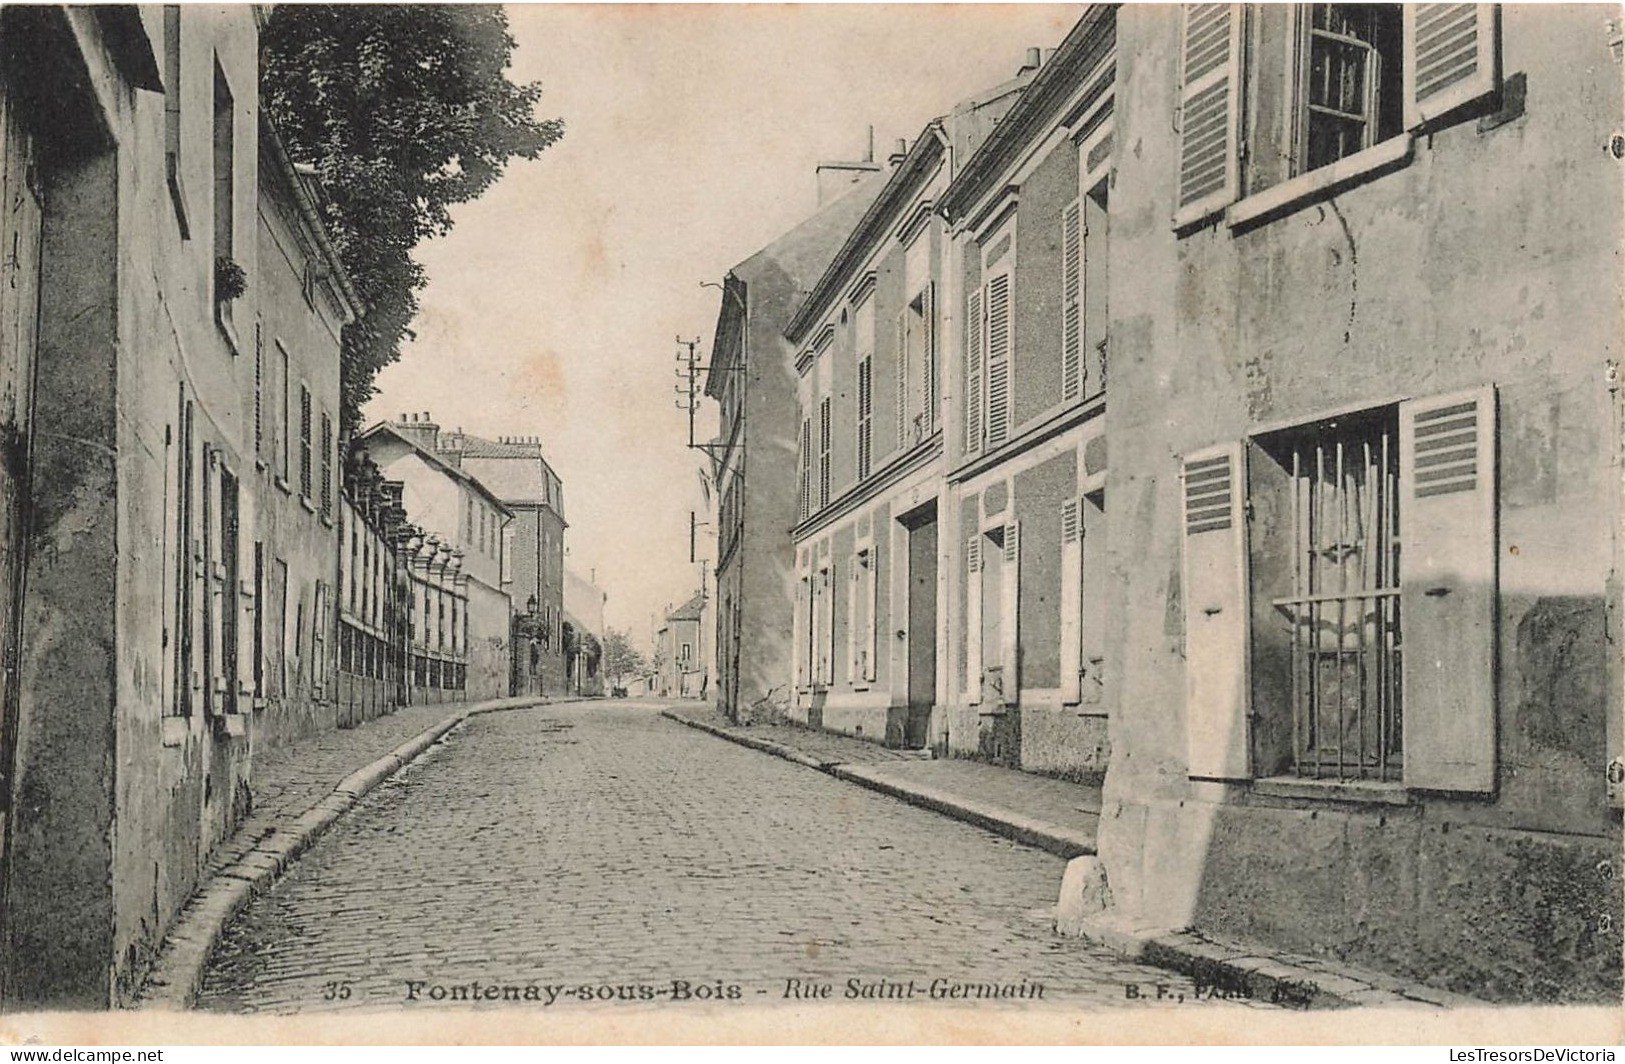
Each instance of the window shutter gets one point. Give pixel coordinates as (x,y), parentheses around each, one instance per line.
(1010,613)
(247,595)
(1448,590)
(902,379)
(828,671)
(802,622)
(973,619)
(1071,600)
(1451,58)
(1216,622)
(973,373)
(866,409)
(928,358)
(998,359)
(873,631)
(1209,110)
(1071,292)
(854,638)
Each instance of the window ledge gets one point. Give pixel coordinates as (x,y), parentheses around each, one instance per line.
(1368,792)
(174,730)
(1304,189)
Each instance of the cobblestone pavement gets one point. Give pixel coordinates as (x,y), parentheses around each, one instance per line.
(596,851)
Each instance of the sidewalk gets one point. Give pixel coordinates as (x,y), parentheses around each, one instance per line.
(1051,814)
(300,789)
(1062,817)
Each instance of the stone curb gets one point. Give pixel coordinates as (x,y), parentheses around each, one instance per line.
(1265,975)
(177,976)
(1058,840)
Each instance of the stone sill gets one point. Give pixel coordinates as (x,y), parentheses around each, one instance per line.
(1304,189)
(1367,792)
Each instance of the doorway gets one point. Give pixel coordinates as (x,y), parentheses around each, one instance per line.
(922,625)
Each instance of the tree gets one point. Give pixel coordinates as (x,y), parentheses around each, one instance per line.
(403,110)
(621,658)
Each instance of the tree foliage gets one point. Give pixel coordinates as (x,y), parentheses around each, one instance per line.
(403,110)
(621,658)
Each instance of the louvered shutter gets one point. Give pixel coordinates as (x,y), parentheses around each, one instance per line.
(998,359)
(872,633)
(1071,299)
(1448,590)
(1216,623)
(1071,600)
(802,627)
(902,379)
(973,619)
(1209,110)
(829,626)
(973,373)
(1010,613)
(854,636)
(928,357)
(247,595)
(1451,58)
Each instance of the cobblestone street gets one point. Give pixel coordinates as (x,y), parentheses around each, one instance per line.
(597,845)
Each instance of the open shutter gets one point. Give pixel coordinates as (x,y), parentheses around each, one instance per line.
(1216,623)
(902,379)
(1010,613)
(1071,600)
(872,633)
(998,359)
(973,619)
(854,639)
(973,373)
(828,672)
(1451,58)
(1071,292)
(1209,110)
(1448,590)
(799,627)
(928,358)
(247,597)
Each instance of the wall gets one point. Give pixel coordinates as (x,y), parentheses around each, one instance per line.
(1455,270)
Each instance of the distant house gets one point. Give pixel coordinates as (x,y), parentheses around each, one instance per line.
(684,668)
(514,469)
(459,624)
(584,617)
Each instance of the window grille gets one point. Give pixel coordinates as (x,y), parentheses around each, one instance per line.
(1344,613)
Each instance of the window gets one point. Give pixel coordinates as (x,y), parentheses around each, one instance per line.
(866,405)
(327,466)
(1351,68)
(1354,611)
(172,115)
(225,203)
(1350,77)
(1082,593)
(988,347)
(916,385)
(684,654)
(861,617)
(304,442)
(823,452)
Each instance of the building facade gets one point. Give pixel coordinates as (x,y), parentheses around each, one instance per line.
(1027,323)
(752,378)
(516,471)
(1364,543)
(154,237)
(680,646)
(869,475)
(457,562)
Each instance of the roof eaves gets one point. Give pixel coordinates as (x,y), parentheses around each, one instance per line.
(439,463)
(875,221)
(1089,41)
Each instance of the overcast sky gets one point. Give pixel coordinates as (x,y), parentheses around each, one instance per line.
(692,133)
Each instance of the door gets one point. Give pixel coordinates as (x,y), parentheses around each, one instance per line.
(21,218)
(922,631)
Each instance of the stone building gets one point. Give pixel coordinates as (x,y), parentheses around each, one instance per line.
(516,471)
(1026,454)
(461,613)
(869,473)
(680,645)
(155,236)
(752,378)
(1364,547)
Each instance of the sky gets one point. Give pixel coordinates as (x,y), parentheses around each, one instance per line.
(555,305)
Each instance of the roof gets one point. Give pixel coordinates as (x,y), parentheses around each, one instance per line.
(899,188)
(692,610)
(513,468)
(436,461)
(1089,41)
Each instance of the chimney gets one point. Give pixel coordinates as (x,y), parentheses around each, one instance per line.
(836,178)
(1034,59)
(420,430)
(899,153)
